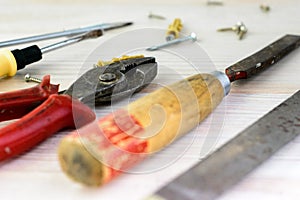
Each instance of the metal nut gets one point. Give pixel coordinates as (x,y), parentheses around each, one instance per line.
(107,77)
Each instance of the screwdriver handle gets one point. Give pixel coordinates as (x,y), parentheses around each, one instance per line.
(56,113)
(11,61)
(8,63)
(15,104)
(27,55)
(106,148)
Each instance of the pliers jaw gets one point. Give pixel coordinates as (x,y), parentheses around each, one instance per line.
(114,81)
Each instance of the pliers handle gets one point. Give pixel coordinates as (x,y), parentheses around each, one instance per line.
(15,104)
(55,113)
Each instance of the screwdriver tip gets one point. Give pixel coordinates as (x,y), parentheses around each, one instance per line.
(128,23)
(115,25)
(153,48)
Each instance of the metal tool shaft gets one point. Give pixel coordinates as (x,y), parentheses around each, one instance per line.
(91,34)
(228,165)
(69,33)
(192,37)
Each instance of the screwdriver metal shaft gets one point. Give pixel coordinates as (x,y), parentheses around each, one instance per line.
(68,33)
(92,34)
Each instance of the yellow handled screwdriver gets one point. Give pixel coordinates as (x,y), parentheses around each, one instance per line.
(11,61)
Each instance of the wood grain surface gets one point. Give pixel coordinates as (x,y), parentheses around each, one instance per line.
(37,173)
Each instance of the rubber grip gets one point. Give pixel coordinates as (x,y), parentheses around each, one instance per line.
(56,113)
(8,63)
(122,139)
(27,56)
(15,104)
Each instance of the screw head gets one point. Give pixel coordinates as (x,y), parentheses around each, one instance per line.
(193,36)
(27,77)
(243,29)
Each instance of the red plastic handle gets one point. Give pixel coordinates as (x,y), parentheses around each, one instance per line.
(14,105)
(56,113)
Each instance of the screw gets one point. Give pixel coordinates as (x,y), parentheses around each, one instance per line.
(242,32)
(107,77)
(240,29)
(151,15)
(192,37)
(28,78)
(214,2)
(234,28)
(170,37)
(265,8)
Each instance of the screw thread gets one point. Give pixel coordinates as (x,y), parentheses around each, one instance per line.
(28,78)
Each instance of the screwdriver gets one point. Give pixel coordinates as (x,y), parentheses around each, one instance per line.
(65,33)
(98,152)
(11,61)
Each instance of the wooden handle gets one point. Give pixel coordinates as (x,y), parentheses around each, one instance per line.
(104,149)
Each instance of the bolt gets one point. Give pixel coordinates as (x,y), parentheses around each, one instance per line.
(192,37)
(28,78)
(151,15)
(107,77)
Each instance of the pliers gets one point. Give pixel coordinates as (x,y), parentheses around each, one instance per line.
(50,111)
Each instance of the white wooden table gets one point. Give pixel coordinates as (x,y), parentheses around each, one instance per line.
(37,174)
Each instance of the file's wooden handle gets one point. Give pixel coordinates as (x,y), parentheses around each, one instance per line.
(99,151)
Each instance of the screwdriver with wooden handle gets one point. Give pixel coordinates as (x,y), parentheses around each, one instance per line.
(108,147)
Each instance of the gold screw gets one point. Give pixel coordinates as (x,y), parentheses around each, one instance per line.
(234,28)
(243,31)
(240,29)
